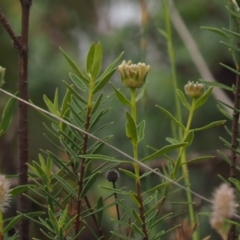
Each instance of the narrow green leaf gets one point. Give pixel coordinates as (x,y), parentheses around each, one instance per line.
(137,229)
(163,151)
(216,30)
(213,124)
(89,184)
(183,99)
(102,157)
(164,33)
(231,32)
(51,106)
(110,68)
(141,130)
(157,188)
(198,159)
(128,173)
(200,101)
(78,82)
(134,199)
(217,84)
(97,103)
(66,185)
(97,60)
(88,170)
(172,140)
(74,67)
(55,101)
(114,190)
(142,91)
(189,138)
(235,182)
(170,116)
(98,117)
(90,59)
(74,92)
(122,236)
(121,97)
(230,68)
(65,102)
(99,213)
(12,223)
(232,47)
(131,130)
(7,115)
(224,112)
(53,220)
(104,81)
(63,217)
(136,216)
(20,189)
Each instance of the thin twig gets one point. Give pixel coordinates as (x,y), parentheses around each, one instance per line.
(7,26)
(234,143)
(23,204)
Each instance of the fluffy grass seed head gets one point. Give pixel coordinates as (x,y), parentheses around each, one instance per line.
(224,206)
(4,193)
(194,90)
(133,75)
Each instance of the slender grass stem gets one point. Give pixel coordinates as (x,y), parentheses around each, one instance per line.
(179,134)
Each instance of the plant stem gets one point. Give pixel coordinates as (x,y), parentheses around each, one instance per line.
(182,154)
(136,166)
(186,174)
(234,144)
(84,151)
(173,64)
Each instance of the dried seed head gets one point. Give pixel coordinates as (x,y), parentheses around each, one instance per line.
(224,206)
(133,75)
(194,90)
(112,175)
(4,193)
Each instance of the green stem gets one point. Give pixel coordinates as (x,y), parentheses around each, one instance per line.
(180,135)
(182,161)
(136,166)
(173,64)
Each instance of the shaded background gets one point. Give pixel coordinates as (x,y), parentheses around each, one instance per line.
(74,25)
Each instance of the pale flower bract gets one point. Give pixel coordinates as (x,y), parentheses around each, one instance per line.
(4,193)
(133,75)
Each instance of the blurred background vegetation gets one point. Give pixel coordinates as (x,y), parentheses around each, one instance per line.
(74,25)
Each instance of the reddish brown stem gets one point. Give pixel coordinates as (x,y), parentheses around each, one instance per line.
(23,204)
(234,144)
(22,45)
(141,211)
(82,171)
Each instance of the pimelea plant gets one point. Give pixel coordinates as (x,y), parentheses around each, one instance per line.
(78,190)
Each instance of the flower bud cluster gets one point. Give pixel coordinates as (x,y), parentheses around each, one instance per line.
(194,90)
(133,75)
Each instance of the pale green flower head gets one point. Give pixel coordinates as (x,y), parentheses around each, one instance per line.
(133,75)
(2,74)
(194,90)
